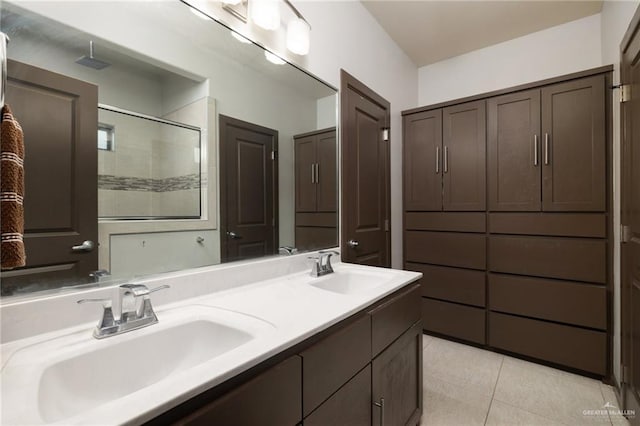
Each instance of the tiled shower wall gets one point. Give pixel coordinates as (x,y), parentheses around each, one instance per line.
(154,169)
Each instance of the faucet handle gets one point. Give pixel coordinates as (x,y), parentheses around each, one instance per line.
(107,319)
(162,287)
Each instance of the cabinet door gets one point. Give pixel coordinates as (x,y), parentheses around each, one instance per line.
(397,381)
(464,157)
(422,161)
(326,172)
(574,146)
(514,152)
(305,148)
(348,406)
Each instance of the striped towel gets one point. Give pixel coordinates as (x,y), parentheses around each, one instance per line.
(11,191)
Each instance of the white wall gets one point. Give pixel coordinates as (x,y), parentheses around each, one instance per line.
(567,48)
(615,18)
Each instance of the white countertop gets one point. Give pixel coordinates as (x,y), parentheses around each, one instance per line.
(294,309)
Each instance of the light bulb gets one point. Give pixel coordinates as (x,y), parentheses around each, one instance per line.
(265,13)
(298,36)
(274,59)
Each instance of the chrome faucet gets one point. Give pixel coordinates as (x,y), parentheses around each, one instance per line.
(135,311)
(322,263)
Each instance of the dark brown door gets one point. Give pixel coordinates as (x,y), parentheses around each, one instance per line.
(326,172)
(464,157)
(395,381)
(422,161)
(305,170)
(365,174)
(514,152)
(59,117)
(630,218)
(248,186)
(573,146)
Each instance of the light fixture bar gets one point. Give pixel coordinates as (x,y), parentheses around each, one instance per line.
(296,12)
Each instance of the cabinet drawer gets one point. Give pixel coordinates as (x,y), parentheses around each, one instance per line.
(351,405)
(312,238)
(327,220)
(394,317)
(446,221)
(450,319)
(330,363)
(452,284)
(564,258)
(549,224)
(271,399)
(547,299)
(444,248)
(561,344)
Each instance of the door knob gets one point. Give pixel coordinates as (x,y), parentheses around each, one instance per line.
(233,235)
(86,246)
(353,243)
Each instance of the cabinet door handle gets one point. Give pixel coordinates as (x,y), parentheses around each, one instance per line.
(446,159)
(437,159)
(317,172)
(535,150)
(381,405)
(313,174)
(546,149)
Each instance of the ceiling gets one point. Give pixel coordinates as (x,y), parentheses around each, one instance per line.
(430,31)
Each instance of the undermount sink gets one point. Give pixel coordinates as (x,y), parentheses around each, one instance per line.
(76,373)
(350,282)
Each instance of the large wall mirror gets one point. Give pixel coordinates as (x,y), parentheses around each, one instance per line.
(157,140)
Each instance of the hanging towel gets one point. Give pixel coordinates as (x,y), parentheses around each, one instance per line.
(11,191)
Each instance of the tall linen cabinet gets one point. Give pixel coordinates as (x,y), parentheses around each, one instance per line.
(507,214)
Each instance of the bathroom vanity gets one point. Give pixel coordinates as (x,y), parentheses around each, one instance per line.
(227,349)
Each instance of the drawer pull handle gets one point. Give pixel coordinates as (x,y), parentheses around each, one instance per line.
(381,405)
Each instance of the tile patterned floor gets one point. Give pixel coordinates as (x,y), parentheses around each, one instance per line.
(464,385)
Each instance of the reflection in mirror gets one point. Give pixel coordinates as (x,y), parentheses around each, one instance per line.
(164,141)
(156,165)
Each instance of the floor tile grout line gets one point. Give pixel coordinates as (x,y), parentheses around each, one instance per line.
(605,400)
(530,412)
(493,394)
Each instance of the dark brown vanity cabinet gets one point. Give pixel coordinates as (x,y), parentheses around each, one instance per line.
(530,272)
(444,159)
(316,189)
(547,148)
(366,370)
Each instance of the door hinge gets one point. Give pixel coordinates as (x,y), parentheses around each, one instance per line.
(386,225)
(385,135)
(625,93)
(273,155)
(625,233)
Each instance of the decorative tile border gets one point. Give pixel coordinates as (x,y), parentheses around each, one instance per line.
(129,183)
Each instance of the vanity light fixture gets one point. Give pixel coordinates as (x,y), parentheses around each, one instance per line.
(265,13)
(274,59)
(298,33)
